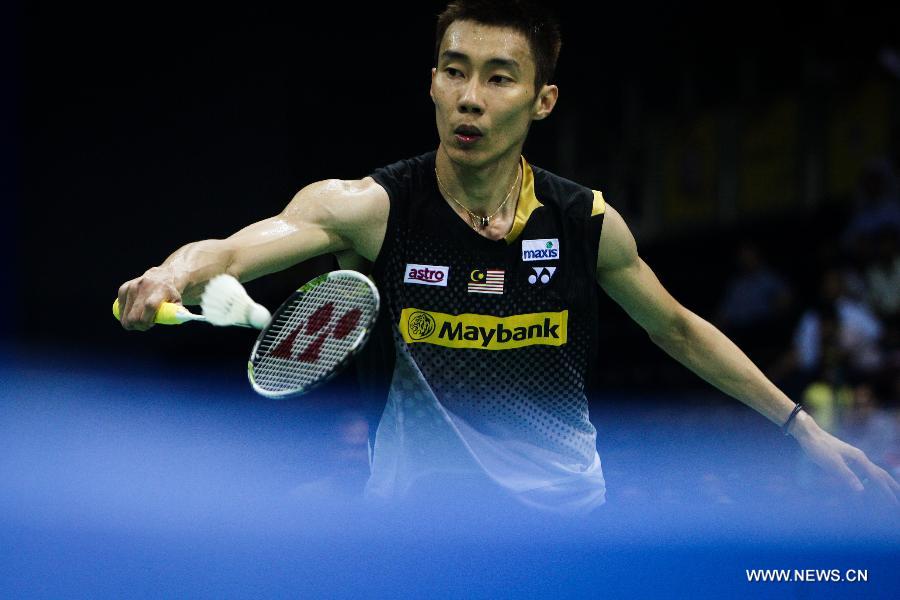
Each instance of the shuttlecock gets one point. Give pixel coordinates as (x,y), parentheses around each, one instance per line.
(226,302)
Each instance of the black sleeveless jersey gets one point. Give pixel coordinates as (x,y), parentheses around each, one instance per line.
(502,331)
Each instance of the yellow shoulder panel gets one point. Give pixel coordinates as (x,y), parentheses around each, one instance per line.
(526,205)
(599,206)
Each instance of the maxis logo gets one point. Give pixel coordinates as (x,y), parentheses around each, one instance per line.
(426,275)
(483,332)
(547,249)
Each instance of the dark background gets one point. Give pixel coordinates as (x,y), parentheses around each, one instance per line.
(141,464)
(136,129)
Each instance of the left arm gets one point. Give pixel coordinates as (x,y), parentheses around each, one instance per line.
(706,351)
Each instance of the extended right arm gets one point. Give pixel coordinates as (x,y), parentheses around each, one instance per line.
(324,217)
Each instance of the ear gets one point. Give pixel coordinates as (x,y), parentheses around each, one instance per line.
(431,87)
(545,101)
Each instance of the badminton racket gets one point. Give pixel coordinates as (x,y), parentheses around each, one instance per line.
(314,334)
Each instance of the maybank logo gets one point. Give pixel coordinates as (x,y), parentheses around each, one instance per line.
(540,249)
(483,332)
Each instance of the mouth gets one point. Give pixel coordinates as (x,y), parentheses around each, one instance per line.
(467,134)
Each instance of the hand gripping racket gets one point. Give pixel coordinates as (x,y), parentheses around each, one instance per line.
(225,303)
(169,313)
(314,334)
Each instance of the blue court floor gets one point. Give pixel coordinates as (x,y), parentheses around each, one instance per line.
(131,481)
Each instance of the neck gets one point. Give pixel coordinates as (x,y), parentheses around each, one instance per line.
(481,189)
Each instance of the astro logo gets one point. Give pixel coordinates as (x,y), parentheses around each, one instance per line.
(542,274)
(426,275)
(317,325)
(547,249)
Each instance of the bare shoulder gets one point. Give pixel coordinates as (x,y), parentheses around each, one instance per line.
(355,209)
(338,200)
(617,248)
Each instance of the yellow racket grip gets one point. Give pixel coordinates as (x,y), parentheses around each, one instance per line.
(168,313)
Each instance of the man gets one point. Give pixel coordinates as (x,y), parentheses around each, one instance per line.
(488,270)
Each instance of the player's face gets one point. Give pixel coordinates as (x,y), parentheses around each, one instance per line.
(483,92)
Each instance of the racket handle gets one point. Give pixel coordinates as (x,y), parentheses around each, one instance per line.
(168,314)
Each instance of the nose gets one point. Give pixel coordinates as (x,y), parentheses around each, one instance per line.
(470,100)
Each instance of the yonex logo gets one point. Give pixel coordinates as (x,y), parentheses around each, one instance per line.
(317,322)
(426,274)
(546,249)
(542,274)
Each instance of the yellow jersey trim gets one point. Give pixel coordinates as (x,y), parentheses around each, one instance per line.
(599,205)
(483,332)
(526,204)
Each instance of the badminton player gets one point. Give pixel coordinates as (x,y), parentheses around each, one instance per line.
(488,267)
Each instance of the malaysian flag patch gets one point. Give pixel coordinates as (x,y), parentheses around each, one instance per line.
(488,281)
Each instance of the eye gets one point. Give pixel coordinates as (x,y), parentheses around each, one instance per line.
(451,72)
(502,79)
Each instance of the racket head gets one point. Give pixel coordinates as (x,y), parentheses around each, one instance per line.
(314,334)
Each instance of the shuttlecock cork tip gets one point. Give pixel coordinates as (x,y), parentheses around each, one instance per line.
(258,316)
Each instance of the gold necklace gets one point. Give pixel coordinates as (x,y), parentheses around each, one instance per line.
(477,220)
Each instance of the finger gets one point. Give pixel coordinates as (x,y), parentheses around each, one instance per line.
(889,493)
(881,479)
(121,297)
(876,476)
(892,483)
(154,303)
(127,309)
(149,309)
(139,307)
(137,298)
(849,477)
(124,296)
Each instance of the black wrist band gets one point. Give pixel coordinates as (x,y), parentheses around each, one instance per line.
(787,423)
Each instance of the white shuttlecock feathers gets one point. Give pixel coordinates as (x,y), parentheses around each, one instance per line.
(225,302)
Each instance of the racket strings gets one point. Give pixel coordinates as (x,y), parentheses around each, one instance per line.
(306,340)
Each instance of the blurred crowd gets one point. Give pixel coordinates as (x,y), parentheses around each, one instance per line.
(843,358)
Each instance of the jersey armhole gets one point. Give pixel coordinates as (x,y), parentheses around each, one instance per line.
(595,228)
(388,241)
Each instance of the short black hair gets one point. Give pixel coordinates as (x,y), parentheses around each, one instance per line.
(536,22)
